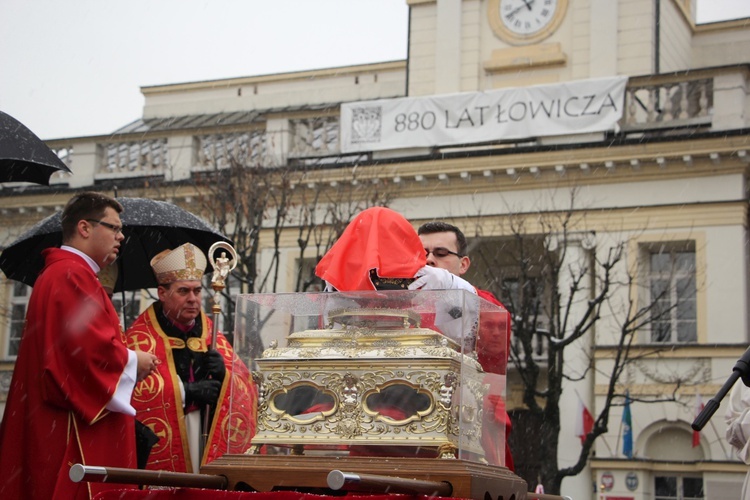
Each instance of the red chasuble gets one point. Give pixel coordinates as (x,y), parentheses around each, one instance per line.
(159,404)
(69,363)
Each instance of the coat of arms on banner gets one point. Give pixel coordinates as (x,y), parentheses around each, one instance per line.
(366,124)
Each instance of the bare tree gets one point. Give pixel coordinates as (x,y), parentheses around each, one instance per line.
(558,295)
(258,208)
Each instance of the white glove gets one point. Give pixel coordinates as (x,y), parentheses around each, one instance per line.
(436,278)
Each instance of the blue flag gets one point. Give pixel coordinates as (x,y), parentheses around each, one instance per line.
(627,428)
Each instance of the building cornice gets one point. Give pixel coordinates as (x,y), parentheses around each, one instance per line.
(276,77)
(664,466)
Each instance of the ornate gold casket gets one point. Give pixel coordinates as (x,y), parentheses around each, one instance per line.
(391,373)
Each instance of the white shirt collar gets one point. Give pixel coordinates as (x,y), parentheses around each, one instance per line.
(93,265)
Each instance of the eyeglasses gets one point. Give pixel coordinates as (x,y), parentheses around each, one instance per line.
(116,229)
(441,252)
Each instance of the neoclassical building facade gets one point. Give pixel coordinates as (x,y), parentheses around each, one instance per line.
(501,96)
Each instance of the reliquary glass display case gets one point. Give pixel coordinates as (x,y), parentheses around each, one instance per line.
(376,374)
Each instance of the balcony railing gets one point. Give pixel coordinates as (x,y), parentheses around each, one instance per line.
(315,137)
(659,103)
(219,150)
(134,158)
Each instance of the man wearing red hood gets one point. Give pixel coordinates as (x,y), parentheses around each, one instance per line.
(383,240)
(377,238)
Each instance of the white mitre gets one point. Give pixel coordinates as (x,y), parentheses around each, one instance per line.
(186,262)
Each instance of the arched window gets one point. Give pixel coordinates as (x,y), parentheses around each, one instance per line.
(672,442)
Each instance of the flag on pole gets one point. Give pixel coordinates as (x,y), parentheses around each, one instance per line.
(627,429)
(698,409)
(584,420)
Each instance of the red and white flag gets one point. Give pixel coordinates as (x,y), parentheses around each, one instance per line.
(584,420)
(698,409)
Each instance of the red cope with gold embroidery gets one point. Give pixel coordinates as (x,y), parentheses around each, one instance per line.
(159,404)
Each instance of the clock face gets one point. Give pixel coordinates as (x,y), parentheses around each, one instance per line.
(525,21)
(527,17)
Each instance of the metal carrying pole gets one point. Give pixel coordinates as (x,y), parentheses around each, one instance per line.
(94,474)
(222,267)
(354,481)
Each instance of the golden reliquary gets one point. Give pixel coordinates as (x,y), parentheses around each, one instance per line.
(391,373)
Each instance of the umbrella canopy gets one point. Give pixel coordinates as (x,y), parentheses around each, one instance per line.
(24,157)
(149,227)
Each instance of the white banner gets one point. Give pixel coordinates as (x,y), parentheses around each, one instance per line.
(542,110)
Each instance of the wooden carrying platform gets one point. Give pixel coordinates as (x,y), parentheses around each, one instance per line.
(307,473)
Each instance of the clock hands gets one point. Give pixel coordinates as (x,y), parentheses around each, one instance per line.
(526,3)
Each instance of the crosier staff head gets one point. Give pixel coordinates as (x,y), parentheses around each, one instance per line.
(222,265)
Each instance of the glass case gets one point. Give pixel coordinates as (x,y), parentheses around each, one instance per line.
(380,373)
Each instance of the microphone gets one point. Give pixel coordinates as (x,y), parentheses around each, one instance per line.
(741,370)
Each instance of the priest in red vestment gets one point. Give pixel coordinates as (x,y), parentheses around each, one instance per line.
(446,248)
(192,377)
(69,398)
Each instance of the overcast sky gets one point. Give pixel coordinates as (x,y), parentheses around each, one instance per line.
(75,68)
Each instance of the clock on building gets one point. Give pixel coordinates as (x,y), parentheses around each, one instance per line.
(526,21)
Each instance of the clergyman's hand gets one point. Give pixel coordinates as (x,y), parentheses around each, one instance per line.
(435,278)
(203,392)
(147,363)
(212,365)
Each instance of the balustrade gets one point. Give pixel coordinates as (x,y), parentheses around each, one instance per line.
(146,157)
(315,136)
(219,150)
(667,103)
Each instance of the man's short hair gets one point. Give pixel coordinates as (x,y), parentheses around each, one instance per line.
(444,227)
(85,205)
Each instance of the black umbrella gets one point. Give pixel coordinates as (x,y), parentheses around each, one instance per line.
(24,157)
(149,227)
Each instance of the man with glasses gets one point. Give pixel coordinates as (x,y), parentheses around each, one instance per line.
(69,399)
(446,248)
(192,378)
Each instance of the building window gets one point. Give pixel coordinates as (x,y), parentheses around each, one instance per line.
(524,302)
(678,488)
(18,302)
(672,289)
(305,279)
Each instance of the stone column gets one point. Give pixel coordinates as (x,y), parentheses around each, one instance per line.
(181,158)
(278,141)
(603,38)
(87,157)
(577,356)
